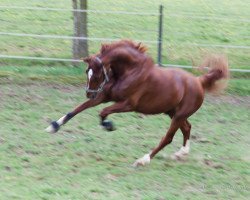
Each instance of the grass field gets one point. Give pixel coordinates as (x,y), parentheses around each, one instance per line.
(83,161)
(186,24)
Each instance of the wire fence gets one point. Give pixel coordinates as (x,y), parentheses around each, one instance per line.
(44,32)
(192,34)
(70,37)
(46,39)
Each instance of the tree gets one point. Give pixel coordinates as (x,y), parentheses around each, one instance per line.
(80,47)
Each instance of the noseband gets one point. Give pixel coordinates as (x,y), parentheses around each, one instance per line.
(106,79)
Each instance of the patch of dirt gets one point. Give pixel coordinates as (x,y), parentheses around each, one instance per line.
(199,139)
(229,99)
(7,168)
(111,177)
(63,88)
(32,152)
(212,164)
(2,140)
(36,84)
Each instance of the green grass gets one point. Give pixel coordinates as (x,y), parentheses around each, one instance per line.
(180,32)
(83,161)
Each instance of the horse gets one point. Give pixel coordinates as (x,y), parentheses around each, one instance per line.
(123,72)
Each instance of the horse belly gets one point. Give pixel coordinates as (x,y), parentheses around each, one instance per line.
(157,104)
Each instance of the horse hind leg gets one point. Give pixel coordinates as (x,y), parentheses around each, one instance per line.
(184,150)
(179,120)
(184,112)
(167,139)
(185,129)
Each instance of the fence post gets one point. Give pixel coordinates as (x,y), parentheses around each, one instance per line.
(160,29)
(80,46)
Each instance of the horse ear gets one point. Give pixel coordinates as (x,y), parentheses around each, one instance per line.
(138,45)
(86,60)
(142,48)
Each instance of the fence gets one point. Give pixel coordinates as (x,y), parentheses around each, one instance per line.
(94,34)
(33,33)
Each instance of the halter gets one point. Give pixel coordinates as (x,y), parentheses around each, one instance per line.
(106,79)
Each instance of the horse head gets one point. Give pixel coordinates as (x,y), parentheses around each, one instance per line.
(97,76)
(113,60)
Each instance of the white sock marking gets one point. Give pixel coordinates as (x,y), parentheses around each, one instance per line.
(184,150)
(50,129)
(60,121)
(142,161)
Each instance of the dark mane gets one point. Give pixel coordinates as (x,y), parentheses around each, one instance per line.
(123,43)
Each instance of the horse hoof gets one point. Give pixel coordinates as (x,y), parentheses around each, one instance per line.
(108,125)
(53,128)
(145,160)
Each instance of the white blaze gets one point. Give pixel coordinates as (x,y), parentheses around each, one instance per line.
(90,74)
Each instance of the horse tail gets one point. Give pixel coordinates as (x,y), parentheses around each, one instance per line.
(215,80)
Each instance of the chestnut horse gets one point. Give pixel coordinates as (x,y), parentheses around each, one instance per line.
(122,72)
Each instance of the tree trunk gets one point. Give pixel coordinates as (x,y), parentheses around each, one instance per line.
(80,47)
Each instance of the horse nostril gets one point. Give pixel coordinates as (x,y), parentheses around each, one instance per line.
(88,95)
(93,96)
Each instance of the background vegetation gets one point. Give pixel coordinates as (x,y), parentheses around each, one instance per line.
(188,26)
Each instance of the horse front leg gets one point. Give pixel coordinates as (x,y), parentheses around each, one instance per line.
(118,107)
(55,125)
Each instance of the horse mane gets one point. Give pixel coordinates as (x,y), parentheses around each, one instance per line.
(125,54)
(123,43)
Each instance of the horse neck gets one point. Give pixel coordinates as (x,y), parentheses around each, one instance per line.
(138,69)
(126,59)
(120,69)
